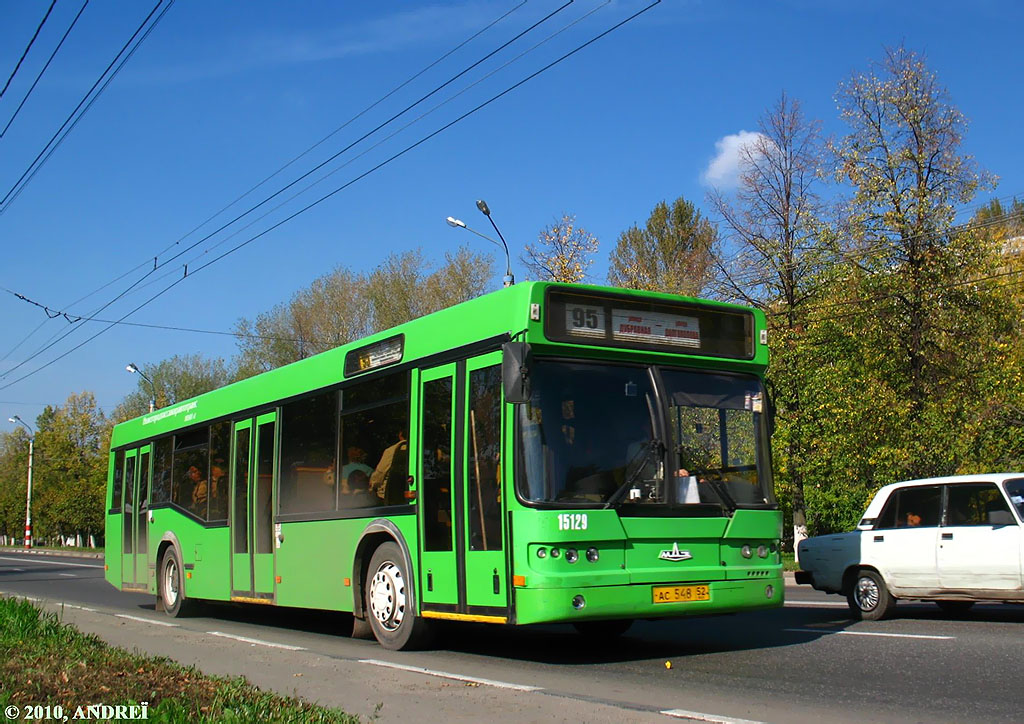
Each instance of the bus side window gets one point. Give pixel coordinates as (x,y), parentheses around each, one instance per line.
(309,436)
(374,442)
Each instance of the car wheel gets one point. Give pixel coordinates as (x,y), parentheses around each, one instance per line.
(869,598)
(955,608)
(171,585)
(603,630)
(389,603)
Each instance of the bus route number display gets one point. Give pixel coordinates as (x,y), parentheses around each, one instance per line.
(634,325)
(380,354)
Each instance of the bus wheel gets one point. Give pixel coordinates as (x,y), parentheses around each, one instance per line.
(170,586)
(600,630)
(869,598)
(389,604)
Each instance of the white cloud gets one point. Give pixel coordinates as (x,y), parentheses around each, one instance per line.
(723,172)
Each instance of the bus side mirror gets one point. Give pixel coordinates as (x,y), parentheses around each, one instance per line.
(516,360)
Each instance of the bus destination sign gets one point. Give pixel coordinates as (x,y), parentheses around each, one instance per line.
(373,356)
(635,325)
(685,327)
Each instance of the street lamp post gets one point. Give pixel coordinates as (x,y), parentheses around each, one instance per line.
(134,369)
(28,492)
(509,280)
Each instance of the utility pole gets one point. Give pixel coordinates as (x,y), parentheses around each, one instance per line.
(28,491)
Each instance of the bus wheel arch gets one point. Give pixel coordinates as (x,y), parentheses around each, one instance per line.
(170,582)
(386,593)
(374,536)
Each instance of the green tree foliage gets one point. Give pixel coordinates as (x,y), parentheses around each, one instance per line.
(672,253)
(343,306)
(899,353)
(13,479)
(563,252)
(69,482)
(778,248)
(176,378)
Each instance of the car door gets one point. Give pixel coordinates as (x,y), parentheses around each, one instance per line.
(903,543)
(980,541)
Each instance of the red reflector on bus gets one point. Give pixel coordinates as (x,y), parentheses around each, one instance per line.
(410,494)
(519,581)
(188,574)
(277,579)
(346,581)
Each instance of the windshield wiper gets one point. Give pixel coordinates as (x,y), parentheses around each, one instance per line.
(655,447)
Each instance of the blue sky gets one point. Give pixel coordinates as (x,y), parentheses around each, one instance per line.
(221,94)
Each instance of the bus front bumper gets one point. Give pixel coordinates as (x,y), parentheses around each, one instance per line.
(563,605)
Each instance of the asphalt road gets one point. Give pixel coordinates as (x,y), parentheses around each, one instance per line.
(806,662)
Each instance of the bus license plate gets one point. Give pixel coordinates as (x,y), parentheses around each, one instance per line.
(680,594)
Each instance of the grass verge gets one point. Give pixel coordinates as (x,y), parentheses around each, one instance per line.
(789,562)
(46,662)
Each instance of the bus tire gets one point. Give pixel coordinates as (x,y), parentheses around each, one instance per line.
(869,597)
(603,630)
(389,603)
(171,585)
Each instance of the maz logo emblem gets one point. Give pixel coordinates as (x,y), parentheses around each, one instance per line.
(675,554)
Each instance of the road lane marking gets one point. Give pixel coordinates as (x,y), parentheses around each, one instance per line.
(872,633)
(146,620)
(80,608)
(49,563)
(823,604)
(256,642)
(68,575)
(700,716)
(448,675)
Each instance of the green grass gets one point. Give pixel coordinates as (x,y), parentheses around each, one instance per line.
(789,562)
(55,549)
(44,661)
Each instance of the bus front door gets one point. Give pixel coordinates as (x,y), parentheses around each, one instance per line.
(135,525)
(463,570)
(252,519)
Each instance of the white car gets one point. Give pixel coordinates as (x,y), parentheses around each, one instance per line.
(953,540)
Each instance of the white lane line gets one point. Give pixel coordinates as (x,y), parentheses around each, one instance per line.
(68,575)
(700,716)
(823,604)
(80,608)
(447,675)
(17,570)
(872,633)
(49,563)
(256,642)
(146,620)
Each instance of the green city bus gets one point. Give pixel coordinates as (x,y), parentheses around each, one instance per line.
(544,453)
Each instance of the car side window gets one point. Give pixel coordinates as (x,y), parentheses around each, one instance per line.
(917,507)
(977,504)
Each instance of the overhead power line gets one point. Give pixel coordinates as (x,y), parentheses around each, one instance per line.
(344,186)
(61,335)
(45,66)
(27,48)
(122,57)
(279,170)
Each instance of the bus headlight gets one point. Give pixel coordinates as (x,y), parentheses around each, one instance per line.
(746,551)
(542,553)
(578,602)
(592,555)
(762,551)
(571,555)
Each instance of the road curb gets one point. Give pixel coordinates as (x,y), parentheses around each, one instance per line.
(52,552)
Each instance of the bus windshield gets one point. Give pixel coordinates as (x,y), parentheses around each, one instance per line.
(594,435)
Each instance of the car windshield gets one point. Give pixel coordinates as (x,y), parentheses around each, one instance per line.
(593,435)
(1015,490)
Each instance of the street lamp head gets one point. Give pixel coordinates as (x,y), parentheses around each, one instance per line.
(457,223)
(132,368)
(482,205)
(13,419)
